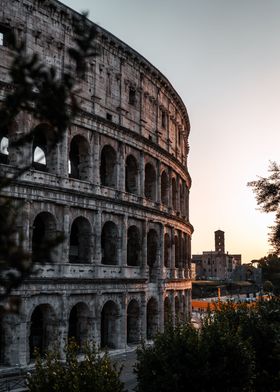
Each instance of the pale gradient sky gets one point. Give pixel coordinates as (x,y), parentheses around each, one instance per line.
(223,58)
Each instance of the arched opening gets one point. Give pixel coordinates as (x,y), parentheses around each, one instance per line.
(109,325)
(133,322)
(166,250)
(131,175)
(108,167)
(43,332)
(177,255)
(152,250)
(150,182)
(4,150)
(79,158)
(80,241)
(174,194)
(43,235)
(44,150)
(167,311)
(152,318)
(164,188)
(109,243)
(177,310)
(79,324)
(133,246)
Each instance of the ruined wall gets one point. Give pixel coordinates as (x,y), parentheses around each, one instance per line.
(116,186)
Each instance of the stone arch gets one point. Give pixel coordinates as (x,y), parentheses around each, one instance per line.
(167,311)
(133,246)
(152,251)
(150,182)
(133,322)
(109,243)
(43,329)
(79,324)
(80,241)
(110,329)
(131,175)
(108,167)
(43,233)
(44,149)
(79,158)
(152,318)
(164,188)
(167,244)
(177,252)
(4,149)
(174,193)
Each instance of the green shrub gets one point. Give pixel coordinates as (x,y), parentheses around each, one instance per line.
(95,373)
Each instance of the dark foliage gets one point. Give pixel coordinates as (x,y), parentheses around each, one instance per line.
(237,349)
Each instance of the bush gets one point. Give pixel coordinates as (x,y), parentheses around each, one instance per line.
(236,349)
(95,373)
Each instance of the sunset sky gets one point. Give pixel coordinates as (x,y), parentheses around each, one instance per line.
(223,58)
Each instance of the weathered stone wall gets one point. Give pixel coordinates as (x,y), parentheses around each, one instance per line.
(116,186)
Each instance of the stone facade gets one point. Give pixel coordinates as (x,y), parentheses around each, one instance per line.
(217,264)
(117,187)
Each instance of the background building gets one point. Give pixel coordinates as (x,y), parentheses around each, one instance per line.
(117,187)
(216,264)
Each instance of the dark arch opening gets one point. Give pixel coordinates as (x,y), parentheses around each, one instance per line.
(42,330)
(133,246)
(152,318)
(109,243)
(167,245)
(44,232)
(164,188)
(150,182)
(109,325)
(152,249)
(131,175)
(108,167)
(133,322)
(4,150)
(79,158)
(80,241)
(44,149)
(167,311)
(79,324)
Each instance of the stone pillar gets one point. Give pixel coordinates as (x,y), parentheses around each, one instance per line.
(142,175)
(66,232)
(96,159)
(170,201)
(63,324)
(63,155)
(172,252)
(144,248)
(161,252)
(25,224)
(161,310)
(98,231)
(121,168)
(122,338)
(124,228)
(158,183)
(143,316)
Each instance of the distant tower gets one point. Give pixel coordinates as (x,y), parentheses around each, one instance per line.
(220,241)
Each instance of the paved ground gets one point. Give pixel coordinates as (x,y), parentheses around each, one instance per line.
(128,360)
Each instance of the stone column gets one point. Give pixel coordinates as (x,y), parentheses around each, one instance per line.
(161,252)
(63,155)
(172,252)
(170,201)
(161,310)
(144,248)
(122,339)
(158,183)
(96,159)
(121,168)
(98,232)
(66,232)
(123,260)
(143,316)
(142,175)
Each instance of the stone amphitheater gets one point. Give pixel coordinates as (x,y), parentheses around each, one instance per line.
(117,186)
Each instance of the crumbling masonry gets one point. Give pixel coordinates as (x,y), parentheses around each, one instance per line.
(117,186)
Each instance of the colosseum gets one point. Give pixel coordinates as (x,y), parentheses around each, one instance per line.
(117,186)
